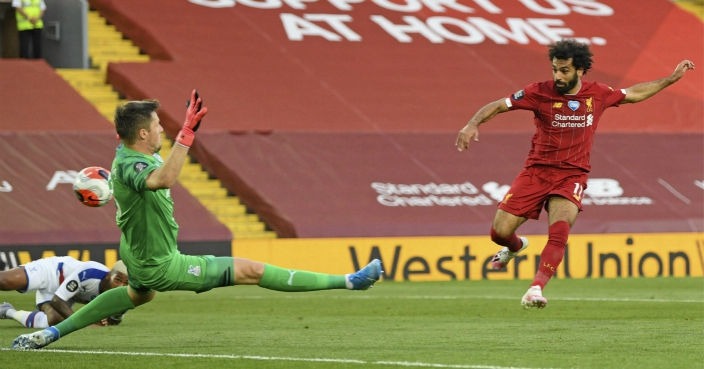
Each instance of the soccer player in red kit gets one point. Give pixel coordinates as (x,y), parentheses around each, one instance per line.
(567,111)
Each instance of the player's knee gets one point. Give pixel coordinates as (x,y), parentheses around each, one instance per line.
(145,298)
(248,271)
(254,271)
(501,229)
(140,298)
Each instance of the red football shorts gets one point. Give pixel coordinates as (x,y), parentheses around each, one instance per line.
(532,187)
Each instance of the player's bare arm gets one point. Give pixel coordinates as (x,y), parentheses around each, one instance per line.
(166,175)
(52,317)
(645,90)
(471,130)
(61,307)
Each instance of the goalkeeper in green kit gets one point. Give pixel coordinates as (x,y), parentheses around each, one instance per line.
(141,181)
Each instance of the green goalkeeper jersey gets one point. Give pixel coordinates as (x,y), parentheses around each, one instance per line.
(145,217)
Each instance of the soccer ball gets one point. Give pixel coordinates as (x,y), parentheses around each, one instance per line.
(92,187)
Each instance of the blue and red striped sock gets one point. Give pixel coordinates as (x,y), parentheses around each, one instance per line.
(29,319)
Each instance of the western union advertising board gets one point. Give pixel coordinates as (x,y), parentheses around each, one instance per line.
(468,258)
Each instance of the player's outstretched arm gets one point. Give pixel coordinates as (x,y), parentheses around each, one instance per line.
(645,90)
(166,175)
(471,130)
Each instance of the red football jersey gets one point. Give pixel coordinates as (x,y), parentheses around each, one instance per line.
(565,124)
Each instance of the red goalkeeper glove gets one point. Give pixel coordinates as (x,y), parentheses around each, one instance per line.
(194,113)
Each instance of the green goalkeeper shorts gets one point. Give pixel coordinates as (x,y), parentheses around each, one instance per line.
(185,273)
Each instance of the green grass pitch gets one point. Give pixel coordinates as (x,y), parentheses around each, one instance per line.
(597,323)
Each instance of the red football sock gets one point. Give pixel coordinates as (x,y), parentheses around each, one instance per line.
(552,254)
(512,242)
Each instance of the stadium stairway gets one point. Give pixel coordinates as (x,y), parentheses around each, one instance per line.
(695,7)
(106,44)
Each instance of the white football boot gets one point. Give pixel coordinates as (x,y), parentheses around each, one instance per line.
(534,298)
(4,307)
(504,255)
(36,340)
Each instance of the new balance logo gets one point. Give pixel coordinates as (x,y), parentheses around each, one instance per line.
(290,278)
(557,105)
(194,270)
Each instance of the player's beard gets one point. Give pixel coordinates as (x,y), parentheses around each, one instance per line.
(570,85)
(156,148)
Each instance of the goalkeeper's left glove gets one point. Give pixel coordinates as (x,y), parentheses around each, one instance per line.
(194,113)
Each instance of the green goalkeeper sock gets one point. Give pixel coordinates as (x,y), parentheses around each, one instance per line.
(279,279)
(108,303)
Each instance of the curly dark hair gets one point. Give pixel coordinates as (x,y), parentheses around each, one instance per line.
(579,52)
(132,116)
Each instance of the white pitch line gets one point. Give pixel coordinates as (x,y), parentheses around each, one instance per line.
(273,358)
(623,300)
(469,297)
(674,192)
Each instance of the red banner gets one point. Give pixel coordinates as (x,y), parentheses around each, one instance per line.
(382,65)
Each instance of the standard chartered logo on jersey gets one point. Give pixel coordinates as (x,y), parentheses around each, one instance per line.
(572,121)
(600,191)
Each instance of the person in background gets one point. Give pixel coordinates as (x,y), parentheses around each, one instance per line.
(29,15)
